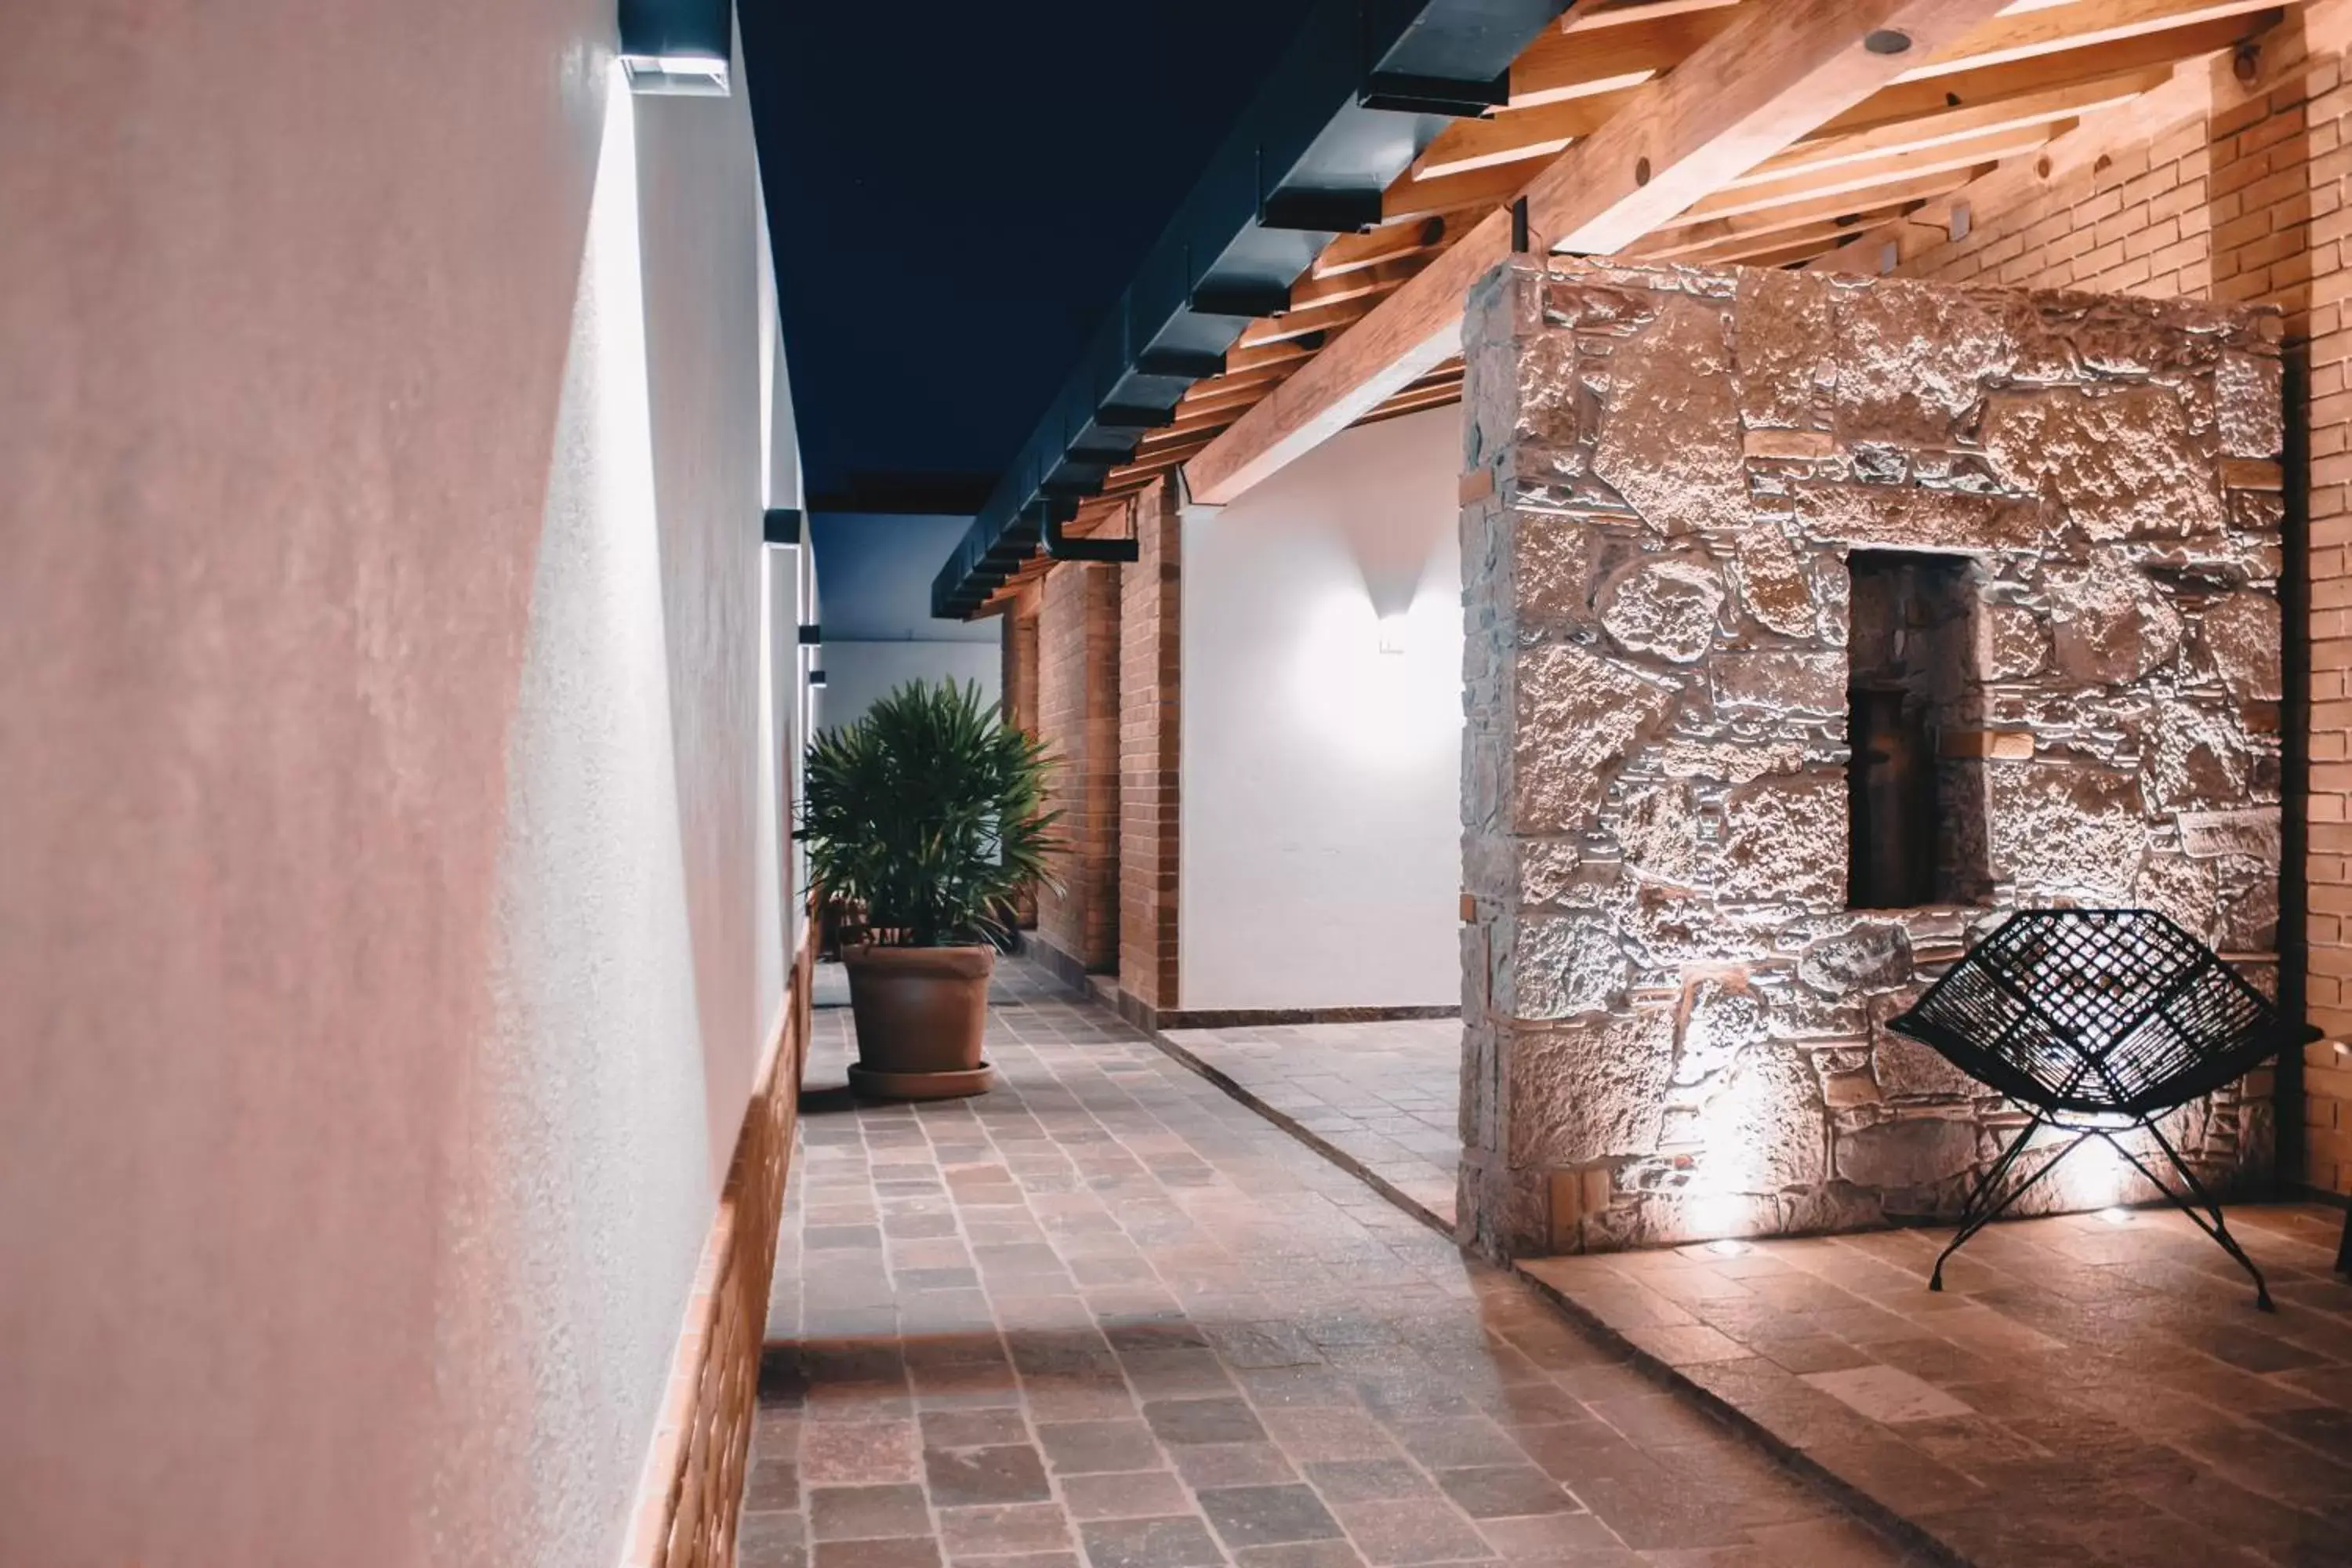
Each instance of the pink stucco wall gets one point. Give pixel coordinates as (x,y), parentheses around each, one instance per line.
(341,937)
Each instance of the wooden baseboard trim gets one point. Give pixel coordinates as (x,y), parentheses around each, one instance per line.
(692,1490)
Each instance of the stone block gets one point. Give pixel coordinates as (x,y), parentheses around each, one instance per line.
(1774,582)
(1905,1069)
(1563,965)
(2012,642)
(2250,833)
(1913,360)
(1577,716)
(1872,955)
(1907,517)
(2110,624)
(2192,758)
(1785,840)
(1917,1152)
(1669,443)
(2183,890)
(1718,1020)
(1781,680)
(2250,405)
(1762,1129)
(2119,461)
(2240,632)
(2067,829)
(1667,605)
(1588,1092)
(1657,829)
(1783,346)
(1551,565)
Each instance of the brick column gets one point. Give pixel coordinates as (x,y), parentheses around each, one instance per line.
(1077,717)
(1151,619)
(1019,698)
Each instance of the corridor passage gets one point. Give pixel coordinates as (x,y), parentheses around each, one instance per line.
(1109,1315)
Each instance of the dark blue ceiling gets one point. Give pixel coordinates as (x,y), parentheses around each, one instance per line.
(956,192)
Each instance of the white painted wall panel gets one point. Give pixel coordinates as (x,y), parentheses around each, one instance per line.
(1321,818)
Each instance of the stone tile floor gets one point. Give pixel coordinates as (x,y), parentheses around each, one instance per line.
(1382,1096)
(2081,1392)
(1107,1314)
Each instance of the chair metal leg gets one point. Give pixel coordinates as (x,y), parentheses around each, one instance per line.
(2216,1228)
(1977,1211)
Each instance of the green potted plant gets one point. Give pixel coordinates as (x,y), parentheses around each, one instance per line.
(929,816)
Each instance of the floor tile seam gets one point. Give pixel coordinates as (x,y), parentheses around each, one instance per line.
(1905,1532)
(1302,1135)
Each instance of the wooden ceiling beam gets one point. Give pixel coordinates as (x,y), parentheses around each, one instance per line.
(1590,16)
(1856,180)
(1354,252)
(1293,324)
(1944,126)
(1560,65)
(1745,248)
(1353,284)
(1768,77)
(2291,46)
(1510,135)
(2050,85)
(1982,84)
(2082,25)
(1677,243)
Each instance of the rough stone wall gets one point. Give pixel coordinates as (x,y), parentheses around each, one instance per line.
(2243,203)
(1673,1025)
(1151,676)
(1077,717)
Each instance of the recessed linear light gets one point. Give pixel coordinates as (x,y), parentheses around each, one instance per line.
(679,76)
(2116,1215)
(1728,1247)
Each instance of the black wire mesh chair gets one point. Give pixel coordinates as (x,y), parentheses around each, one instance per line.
(2098,1022)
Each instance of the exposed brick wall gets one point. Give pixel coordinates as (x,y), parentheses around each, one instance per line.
(2245,203)
(1077,715)
(1019,698)
(1150,716)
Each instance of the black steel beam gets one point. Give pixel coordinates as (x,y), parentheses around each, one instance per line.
(1365,86)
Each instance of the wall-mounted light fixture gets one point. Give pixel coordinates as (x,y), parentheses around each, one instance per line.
(677,47)
(812,634)
(817,678)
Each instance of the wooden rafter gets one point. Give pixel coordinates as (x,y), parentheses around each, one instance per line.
(1964,123)
(2320,31)
(1760,83)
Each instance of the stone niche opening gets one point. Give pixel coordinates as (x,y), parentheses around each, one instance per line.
(1718,519)
(1916,784)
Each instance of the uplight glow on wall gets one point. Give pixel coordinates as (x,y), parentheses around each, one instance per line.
(1386,689)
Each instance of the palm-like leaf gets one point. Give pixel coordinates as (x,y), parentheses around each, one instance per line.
(931,812)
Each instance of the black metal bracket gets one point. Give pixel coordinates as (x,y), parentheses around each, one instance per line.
(812,634)
(780,525)
(1060,546)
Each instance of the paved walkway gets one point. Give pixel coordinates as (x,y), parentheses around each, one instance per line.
(1382,1095)
(1108,1315)
(2081,1392)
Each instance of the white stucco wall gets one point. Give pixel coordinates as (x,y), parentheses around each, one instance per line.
(380,936)
(1321,825)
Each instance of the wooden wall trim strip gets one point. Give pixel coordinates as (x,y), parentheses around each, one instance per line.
(692,1490)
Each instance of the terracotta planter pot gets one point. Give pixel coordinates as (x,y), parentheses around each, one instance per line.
(919,1013)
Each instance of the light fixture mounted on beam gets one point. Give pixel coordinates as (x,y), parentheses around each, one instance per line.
(681,47)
